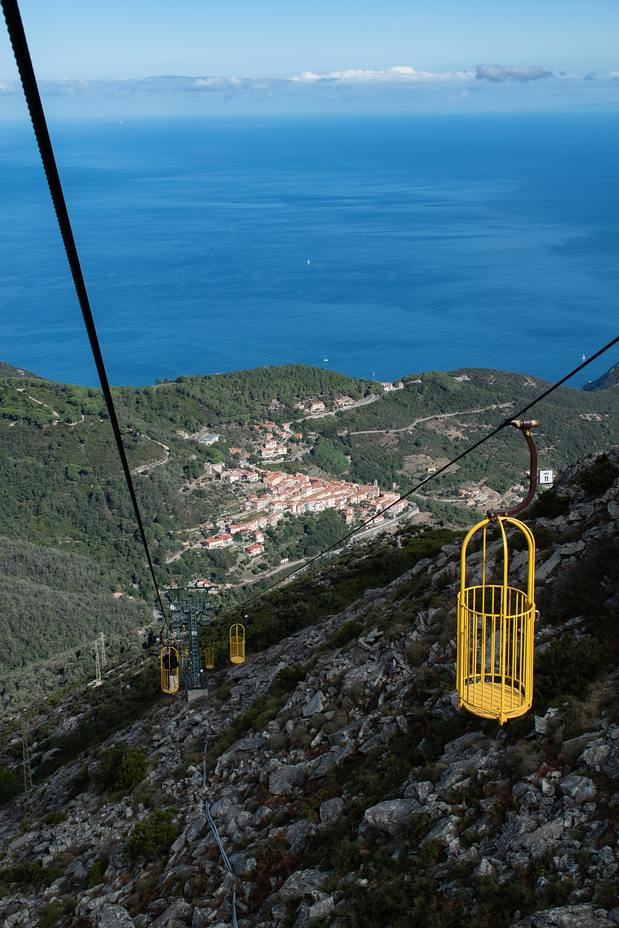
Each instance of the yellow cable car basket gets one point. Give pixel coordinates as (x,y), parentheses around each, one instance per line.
(494,666)
(237,644)
(169,665)
(209,656)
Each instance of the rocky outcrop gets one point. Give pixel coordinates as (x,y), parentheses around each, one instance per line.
(365,772)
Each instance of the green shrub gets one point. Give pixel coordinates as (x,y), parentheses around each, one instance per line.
(56,817)
(345,633)
(54,911)
(10,785)
(97,871)
(550,505)
(79,783)
(600,477)
(31,874)
(567,668)
(287,679)
(152,836)
(222,692)
(121,768)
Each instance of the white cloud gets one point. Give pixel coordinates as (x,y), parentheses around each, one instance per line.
(400,73)
(217,83)
(497,73)
(8,87)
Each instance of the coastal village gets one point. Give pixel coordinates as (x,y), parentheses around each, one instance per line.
(267,495)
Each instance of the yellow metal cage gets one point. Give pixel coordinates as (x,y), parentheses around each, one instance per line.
(170,669)
(237,644)
(209,656)
(494,666)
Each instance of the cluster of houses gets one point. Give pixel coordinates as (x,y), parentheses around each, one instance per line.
(296,495)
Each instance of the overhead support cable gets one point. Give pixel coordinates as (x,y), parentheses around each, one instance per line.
(23,60)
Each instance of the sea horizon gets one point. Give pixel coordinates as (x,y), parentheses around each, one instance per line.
(435,243)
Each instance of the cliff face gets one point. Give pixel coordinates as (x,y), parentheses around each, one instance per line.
(347,787)
(606,381)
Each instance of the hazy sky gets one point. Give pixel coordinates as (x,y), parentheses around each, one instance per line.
(127,39)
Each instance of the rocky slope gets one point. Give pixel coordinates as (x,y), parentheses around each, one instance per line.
(347,787)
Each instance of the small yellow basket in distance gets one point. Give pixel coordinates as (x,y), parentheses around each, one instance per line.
(169,665)
(237,643)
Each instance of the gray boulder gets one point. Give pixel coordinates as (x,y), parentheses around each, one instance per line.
(568,916)
(113,916)
(330,810)
(179,912)
(577,788)
(302,884)
(286,778)
(314,706)
(386,817)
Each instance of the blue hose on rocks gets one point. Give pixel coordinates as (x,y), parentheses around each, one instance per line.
(217,836)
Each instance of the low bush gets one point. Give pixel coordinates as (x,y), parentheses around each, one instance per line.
(97,871)
(120,769)
(10,785)
(31,874)
(599,477)
(152,836)
(54,911)
(346,632)
(550,505)
(56,817)
(567,667)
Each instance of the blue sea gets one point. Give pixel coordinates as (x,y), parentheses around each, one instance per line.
(371,246)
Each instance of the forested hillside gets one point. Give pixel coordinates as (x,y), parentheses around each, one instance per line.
(438,414)
(69,534)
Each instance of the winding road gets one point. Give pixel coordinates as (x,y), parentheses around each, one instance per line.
(146,468)
(439,415)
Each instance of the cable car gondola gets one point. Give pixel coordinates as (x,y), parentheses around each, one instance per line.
(170,669)
(209,657)
(237,643)
(494,664)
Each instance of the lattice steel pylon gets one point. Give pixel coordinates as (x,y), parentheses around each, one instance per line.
(25,753)
(102,654)
(98,680)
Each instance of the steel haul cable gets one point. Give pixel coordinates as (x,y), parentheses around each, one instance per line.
(21,51)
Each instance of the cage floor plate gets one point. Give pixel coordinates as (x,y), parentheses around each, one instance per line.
(485,699)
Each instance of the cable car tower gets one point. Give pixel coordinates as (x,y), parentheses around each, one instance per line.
(496,617)
(187,617)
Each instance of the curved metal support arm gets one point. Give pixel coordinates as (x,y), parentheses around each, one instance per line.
(525,426)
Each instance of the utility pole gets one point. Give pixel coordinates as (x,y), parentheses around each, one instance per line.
(102,654)
(25,753)
(97,681)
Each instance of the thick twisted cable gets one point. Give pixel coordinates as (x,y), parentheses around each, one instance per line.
(215,832)
(23,60)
